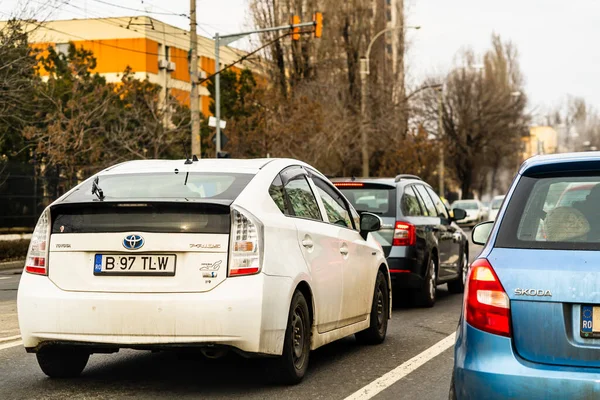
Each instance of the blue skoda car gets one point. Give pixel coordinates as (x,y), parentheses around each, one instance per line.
(530,326)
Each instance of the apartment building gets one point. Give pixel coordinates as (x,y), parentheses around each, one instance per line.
(150,47)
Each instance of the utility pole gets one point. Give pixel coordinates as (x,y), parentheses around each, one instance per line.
(194,95)
(364,137)
(441,169)
(218,92)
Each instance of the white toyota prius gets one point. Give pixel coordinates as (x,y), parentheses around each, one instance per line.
(265,257)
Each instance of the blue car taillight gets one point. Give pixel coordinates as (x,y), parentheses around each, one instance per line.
(487,306)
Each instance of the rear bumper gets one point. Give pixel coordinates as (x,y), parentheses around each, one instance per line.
(404,273)
(487,368)
(248,313)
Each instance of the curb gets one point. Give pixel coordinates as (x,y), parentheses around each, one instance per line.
(12,265)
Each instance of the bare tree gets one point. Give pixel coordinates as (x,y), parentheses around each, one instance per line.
(482,114)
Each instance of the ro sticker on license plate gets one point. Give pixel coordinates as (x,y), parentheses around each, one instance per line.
(590,322)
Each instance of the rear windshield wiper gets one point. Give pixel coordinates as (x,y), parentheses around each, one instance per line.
(96,189)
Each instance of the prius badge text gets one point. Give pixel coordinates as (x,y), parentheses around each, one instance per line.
(532,292)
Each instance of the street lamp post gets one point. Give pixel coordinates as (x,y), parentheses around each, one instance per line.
(364,72)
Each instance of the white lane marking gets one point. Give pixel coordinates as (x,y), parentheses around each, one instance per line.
(11,344)
(9,338)
(380,384)
(5,277)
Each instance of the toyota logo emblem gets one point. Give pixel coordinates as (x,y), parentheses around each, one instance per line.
(133,242)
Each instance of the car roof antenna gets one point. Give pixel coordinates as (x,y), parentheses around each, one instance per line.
(194,158)
(187,158)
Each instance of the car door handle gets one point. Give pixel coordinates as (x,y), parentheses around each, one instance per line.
(308,243)
(344,250)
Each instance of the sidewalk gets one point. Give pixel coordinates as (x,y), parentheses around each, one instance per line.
(12,265)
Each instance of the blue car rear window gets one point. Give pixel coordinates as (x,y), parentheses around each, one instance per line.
(561,212)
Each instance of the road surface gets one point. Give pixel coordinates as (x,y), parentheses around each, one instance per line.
(415,362)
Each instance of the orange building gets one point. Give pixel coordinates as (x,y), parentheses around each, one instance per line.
(151,48)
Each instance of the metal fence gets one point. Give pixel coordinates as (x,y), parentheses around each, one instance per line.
(24,193)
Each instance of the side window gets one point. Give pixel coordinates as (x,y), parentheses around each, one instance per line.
(410,204)
(276,193)
(427,200)
(302,199)
(335,206)
(439,206)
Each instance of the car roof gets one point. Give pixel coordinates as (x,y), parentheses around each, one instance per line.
(251,166)
(549,163)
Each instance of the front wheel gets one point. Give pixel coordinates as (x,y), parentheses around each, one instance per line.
(62,362)
(380,312)
(291,366)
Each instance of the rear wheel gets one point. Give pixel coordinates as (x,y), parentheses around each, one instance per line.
(291,366)
(458,285)
(425,296)
(375,333)
(62,362)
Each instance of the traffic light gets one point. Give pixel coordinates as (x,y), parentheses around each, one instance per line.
(318,20)
(295,29)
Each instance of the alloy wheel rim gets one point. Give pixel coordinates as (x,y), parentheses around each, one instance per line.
(380,309)
(432,280)
(298,337)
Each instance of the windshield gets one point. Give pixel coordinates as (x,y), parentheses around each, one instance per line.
(572,223)
(184,186)
(465,205)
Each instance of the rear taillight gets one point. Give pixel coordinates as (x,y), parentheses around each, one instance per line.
(245,253)
(404,234)
(487,306)
(37,256)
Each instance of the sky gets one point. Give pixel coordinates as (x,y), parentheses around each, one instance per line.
(555,38)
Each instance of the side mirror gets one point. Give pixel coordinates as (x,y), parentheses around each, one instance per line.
(481,232)
(458,214)
(369,223)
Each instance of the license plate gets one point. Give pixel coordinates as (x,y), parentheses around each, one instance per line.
(590,321)
(138,264)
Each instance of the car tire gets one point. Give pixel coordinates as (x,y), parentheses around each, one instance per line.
(62,362)
(458,285)
(380,312)
(425,296)
(291,366)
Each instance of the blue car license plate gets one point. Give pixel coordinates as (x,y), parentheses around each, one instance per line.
(590,321)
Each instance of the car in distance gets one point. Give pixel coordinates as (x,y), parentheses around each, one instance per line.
(529,327)
(265,257)
(495,207)
(475,212)
(423,245)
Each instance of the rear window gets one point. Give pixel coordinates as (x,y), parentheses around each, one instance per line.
(497,203)
(183,186)
(559,213)
(378,200)
(101,217)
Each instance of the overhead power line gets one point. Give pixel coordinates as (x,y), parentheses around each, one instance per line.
(143,11)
